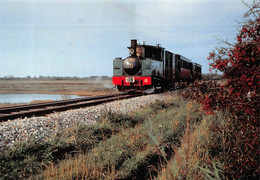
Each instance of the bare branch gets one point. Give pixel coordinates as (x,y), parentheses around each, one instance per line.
(254,9)
(220,39)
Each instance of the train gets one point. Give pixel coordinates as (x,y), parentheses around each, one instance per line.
(152,67)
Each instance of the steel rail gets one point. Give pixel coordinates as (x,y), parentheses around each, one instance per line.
(38,109)
(61,102)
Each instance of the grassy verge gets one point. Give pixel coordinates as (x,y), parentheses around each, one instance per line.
(31,157)
(170,139)
(136,152)
(199,153)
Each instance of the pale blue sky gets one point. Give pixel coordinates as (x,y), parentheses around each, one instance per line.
(81,38)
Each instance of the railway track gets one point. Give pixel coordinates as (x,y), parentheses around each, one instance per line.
(40,109)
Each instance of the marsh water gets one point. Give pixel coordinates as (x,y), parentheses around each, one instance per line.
(27,98)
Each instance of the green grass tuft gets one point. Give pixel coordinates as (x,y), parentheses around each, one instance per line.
(135,152)
(30,157)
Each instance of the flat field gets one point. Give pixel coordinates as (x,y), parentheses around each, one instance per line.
(63,87)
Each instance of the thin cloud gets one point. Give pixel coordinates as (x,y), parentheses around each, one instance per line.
(55,33)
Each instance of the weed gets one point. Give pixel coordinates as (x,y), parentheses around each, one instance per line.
(31,157)
(135,152)
(117,146)
(215,174)
(194,152)
(28,158)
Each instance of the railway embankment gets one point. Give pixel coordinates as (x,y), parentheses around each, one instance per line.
(143,137)
(19,130)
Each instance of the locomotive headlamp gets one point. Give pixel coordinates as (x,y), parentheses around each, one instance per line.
(131,51)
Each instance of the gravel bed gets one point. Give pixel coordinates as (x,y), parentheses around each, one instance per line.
(18,130)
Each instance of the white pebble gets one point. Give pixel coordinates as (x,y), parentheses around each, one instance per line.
(13,131)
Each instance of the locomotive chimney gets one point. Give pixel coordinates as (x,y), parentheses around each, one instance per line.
(133,46)
(133,43)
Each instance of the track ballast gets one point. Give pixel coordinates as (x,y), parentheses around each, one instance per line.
(40,109)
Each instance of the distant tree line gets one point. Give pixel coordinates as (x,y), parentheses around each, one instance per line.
(11,77)
(207,76)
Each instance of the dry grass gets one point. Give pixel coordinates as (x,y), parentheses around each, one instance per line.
(61,87)
(192,159)
(4,105)
(66,87)
(133,153)
(30,157)
(167,140)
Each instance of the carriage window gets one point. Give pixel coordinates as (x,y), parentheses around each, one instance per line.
(184,64)
(190,65)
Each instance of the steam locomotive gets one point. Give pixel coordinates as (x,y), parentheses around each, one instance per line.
(149,67)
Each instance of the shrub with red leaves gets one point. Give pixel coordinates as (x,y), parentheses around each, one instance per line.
(239,96)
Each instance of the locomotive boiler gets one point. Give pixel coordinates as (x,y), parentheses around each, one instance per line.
(150,66)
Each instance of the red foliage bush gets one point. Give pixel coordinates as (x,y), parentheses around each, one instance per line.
(239,96)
